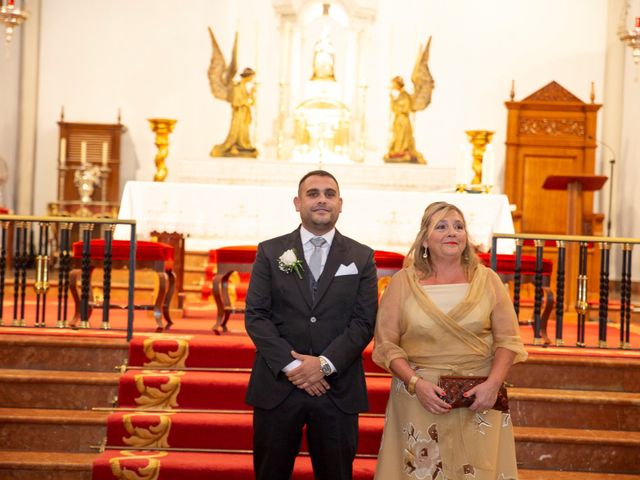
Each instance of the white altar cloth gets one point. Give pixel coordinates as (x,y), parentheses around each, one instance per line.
(211,216)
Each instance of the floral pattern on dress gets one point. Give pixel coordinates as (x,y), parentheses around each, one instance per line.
(421,456)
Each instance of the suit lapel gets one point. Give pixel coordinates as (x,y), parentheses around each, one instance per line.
(336,255)
(303,284)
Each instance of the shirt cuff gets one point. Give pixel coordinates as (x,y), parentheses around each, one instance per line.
(333,369)
(292,365)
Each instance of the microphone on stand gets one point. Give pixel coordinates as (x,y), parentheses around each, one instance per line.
(612,162)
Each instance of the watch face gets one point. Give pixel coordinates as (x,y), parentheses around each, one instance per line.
(326,369)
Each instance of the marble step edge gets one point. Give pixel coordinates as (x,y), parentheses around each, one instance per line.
(577,436)
(47,461)
(574,396)
(23,340)
(53,416)
(565,475)
(580,361)
(59,377)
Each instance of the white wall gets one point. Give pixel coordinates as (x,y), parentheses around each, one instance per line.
(150,57)
(9,113)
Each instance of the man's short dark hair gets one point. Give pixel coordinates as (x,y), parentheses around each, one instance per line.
(317,173)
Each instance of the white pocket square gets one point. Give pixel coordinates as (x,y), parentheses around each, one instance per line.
(350,269)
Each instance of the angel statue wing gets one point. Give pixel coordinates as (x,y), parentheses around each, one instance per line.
(221,76)
(422,80)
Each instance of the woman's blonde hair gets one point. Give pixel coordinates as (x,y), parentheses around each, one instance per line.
(432,215)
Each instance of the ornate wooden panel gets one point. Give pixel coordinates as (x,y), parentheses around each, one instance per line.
(550,132)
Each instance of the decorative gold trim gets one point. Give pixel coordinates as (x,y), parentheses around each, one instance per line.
(151,436)
(163,397)
(149,472)
(173,359)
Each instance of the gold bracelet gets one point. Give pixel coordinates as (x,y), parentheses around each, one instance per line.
(411,387)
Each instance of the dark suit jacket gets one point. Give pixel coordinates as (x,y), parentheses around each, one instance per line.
(280,317)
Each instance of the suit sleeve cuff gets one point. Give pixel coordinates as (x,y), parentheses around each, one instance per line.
(291,366)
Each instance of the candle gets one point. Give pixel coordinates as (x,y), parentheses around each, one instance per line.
(63,151)
(83,153)
(10,3)
(637,22)
(105,157)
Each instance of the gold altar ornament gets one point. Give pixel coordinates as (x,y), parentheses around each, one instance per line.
(162,127)
(631,37)
(480,183)
(402,148)
(12,17)
(240,95)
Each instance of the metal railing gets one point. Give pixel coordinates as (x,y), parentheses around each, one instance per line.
(43,243)
(572,255)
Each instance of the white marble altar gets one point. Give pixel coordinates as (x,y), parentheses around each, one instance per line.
(212,215)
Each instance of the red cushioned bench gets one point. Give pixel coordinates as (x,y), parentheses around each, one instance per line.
(506,269)
(240,259)
(149,255)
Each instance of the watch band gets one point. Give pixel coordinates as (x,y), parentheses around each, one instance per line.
(325,368)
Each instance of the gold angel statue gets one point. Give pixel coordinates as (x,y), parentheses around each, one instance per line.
(240,96)
(402,148)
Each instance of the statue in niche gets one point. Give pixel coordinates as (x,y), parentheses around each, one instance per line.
(240,95)
(402,148)
(324,58)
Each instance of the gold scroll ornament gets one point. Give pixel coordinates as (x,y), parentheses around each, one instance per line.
(151,436)
(172,359)
(163,397)
(150,472)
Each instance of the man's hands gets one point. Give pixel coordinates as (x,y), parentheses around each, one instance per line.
(308,375)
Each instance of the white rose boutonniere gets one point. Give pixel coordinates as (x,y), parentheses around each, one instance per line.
(289,262)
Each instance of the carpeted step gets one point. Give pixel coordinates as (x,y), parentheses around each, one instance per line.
(578,450)
(55,389)
(51,430)
(541,407)
(203,466)
(204,351)
(157,389)
(44,352)
(46,465)
(210,431)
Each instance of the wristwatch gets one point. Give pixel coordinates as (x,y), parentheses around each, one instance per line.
(325,368)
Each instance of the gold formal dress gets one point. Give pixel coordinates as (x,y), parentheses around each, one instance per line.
(461,340)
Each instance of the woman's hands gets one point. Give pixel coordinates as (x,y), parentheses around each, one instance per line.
(429,396)
(486,394)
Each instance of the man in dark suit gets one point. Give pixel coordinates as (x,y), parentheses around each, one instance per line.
(310,310)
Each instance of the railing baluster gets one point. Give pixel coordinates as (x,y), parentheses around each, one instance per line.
(517,278)
(26,255)
(582,306)
(3,267)
(603,304)
(17,265)
(106,283)
(560,280)
(85,230)
(625,297)
(537,281)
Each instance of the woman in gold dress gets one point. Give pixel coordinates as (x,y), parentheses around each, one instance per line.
(445,314)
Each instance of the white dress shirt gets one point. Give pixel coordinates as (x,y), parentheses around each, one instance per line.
(307,246)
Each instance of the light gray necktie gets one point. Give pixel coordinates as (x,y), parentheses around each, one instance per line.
(315,261)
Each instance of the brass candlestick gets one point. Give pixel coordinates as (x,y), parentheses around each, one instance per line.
(479,139)
(162,128)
